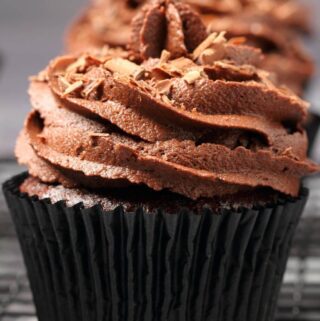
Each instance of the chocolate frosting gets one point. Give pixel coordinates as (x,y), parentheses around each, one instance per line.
(107,22)
(202,122)
(166,24)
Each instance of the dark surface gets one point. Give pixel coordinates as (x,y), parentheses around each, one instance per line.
(300,295)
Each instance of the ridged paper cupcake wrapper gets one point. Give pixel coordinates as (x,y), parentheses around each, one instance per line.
(89,264)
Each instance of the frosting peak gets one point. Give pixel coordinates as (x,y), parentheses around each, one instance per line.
(169,25)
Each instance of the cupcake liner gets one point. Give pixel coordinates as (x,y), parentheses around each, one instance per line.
(312,129)
(89,264)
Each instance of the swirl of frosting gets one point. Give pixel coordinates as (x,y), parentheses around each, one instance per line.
(206,123)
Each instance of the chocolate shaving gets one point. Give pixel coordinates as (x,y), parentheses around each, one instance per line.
(210,55)
(165,56)
(93,85)
(209,42)
(82,63)
(72,88)
(164,86)
(124,67)
(64,82)
(191,76)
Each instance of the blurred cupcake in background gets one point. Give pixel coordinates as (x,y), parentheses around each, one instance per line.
(104,22)
(290,14)
(274,27)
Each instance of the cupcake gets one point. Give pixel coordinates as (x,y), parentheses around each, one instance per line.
(284,55)
(107,23)
(102,23)
(164,182)
(287,13)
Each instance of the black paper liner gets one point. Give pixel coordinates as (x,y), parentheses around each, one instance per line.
(312,129)
(89,264)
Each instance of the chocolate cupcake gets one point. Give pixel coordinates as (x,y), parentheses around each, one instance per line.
(164,181)
(289,14)
(102,23)
(284,55)
(107,22)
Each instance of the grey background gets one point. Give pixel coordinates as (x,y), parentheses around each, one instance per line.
(31,33)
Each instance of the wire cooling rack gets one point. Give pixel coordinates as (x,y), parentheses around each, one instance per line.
(15,297)
(300,293)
